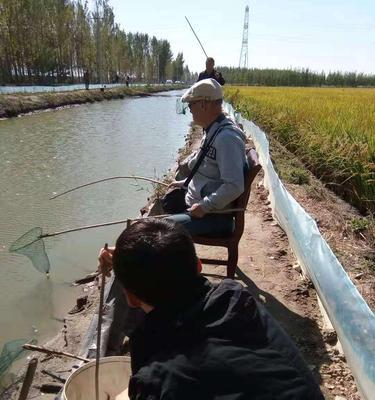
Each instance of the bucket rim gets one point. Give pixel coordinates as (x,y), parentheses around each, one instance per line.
(82,368)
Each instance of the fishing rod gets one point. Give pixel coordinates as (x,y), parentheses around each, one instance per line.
(196,37)
(142,178)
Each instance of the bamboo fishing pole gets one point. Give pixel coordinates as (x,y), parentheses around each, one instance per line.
(142,178)
(196,37)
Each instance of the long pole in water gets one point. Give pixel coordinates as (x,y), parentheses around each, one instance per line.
(196,37)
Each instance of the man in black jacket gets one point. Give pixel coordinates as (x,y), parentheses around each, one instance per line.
(199,341)
(210,72)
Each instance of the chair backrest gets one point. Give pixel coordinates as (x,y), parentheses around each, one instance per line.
(241,202)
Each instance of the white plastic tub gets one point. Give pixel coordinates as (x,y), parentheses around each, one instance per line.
(114,375)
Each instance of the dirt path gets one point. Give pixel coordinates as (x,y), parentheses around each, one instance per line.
(266,268)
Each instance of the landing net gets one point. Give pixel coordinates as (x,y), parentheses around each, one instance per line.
(12,351)
(31,245)
(181,107)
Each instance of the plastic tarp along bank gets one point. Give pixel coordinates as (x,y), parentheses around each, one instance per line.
(350,315)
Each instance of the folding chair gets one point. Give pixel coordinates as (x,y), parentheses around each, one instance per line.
(231,242)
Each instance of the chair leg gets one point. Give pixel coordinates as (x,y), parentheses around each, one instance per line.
(232,261)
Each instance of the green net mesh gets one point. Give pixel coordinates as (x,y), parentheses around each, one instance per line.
(32,246)
(12,351)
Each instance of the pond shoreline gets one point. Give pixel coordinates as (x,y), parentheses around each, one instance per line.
(15,104)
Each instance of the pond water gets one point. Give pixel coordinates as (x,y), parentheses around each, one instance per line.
(49,152)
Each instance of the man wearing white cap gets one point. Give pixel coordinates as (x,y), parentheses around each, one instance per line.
(219,180)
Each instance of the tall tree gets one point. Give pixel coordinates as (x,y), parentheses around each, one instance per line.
(165,58)
(47,41)
(178,67)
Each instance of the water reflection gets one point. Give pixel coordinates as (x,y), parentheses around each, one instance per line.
(41,305)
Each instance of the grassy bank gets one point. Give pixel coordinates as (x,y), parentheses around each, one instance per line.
(12,105)
(331,130)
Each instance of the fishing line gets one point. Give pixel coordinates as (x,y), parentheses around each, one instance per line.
(142,178)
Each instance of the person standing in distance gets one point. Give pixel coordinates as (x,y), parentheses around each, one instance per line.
(210,72)
(86,79)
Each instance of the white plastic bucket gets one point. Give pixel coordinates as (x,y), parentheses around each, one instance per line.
(114,375)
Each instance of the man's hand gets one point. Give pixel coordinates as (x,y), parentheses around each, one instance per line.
(196,211)
(105,261)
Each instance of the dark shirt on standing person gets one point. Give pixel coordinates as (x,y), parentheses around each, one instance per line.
(214,75)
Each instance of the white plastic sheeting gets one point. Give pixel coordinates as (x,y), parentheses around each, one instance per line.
(350,315)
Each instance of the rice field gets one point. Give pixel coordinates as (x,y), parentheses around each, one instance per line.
(332,130)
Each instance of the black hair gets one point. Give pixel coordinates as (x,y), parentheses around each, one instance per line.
(156,260)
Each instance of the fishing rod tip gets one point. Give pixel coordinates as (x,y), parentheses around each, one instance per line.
(54,195)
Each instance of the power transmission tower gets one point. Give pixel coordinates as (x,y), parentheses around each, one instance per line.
(245,36)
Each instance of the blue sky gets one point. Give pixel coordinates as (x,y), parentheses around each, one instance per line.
(321,35)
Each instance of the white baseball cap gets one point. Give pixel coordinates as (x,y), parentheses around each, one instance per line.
(206,89)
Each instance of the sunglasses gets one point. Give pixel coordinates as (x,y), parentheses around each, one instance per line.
(181,107)
(192,103)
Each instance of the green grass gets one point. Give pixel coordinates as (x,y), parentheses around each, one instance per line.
(332,131)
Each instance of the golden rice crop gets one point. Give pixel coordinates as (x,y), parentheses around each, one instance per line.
(332,130)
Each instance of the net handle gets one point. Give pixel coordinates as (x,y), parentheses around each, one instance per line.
(81,228)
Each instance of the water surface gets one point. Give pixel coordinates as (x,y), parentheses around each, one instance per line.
(49,152)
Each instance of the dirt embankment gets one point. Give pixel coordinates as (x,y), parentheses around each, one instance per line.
(12,105)
(268,268)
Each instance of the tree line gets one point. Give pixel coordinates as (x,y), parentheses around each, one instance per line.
(295,77)
(56,41)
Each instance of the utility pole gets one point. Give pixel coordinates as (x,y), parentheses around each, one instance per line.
(244,49)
